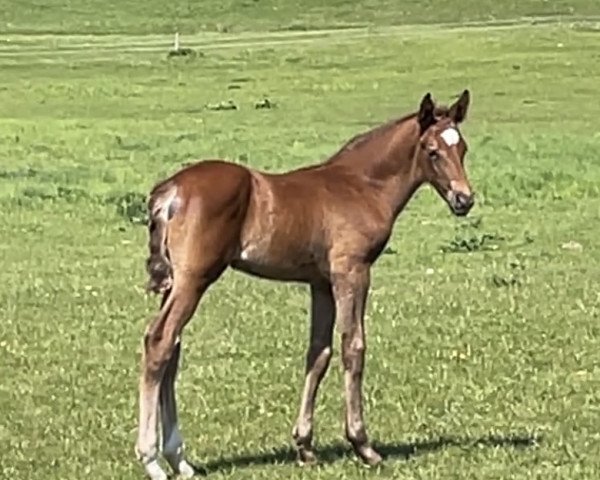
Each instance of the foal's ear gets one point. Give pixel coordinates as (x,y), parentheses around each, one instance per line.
(458,111)
(426,112)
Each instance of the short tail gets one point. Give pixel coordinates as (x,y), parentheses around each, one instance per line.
(158,264)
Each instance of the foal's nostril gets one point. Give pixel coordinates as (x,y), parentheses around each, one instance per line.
(464,201)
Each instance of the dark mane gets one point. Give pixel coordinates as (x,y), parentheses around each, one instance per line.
(364,137)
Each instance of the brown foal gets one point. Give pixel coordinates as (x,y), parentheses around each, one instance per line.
(323,225)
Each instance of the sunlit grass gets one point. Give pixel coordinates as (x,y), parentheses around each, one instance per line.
(482,333)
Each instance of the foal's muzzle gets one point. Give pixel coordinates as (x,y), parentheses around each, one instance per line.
(460,202)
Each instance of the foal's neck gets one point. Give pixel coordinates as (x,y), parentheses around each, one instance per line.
(386,158)
(398,169)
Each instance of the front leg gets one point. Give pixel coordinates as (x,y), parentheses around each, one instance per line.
(317,363)
(350,290)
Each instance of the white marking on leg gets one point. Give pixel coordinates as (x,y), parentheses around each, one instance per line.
(450,136)
(146,444)
(173,443)
(154,471)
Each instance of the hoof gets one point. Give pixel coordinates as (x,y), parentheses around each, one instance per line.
(303,444)
(154,471)
(185,470)
(368,455)
(306,457)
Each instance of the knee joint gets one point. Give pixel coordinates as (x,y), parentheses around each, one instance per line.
(326,353)
(357,346)
(318,353)
(353,355)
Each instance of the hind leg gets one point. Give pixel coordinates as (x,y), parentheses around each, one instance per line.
(172,441)
(159,349)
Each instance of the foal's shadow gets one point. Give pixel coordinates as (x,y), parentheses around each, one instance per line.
(337,451)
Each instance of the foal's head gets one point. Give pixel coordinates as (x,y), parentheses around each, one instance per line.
(442,150)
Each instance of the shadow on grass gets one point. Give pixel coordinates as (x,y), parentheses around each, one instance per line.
(331,453)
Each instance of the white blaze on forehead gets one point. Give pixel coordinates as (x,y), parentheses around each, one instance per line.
(450,136)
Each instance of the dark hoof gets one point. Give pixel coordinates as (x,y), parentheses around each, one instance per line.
(303,445)
(368,455)
(306,457)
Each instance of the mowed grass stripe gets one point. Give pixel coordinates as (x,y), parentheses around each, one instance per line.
(146,55)
(18,45)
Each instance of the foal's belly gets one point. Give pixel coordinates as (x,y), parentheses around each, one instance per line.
(283,273)
(284,262)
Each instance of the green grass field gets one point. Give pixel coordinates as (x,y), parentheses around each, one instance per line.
(483,333)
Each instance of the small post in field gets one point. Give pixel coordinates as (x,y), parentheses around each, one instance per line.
(177,50)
